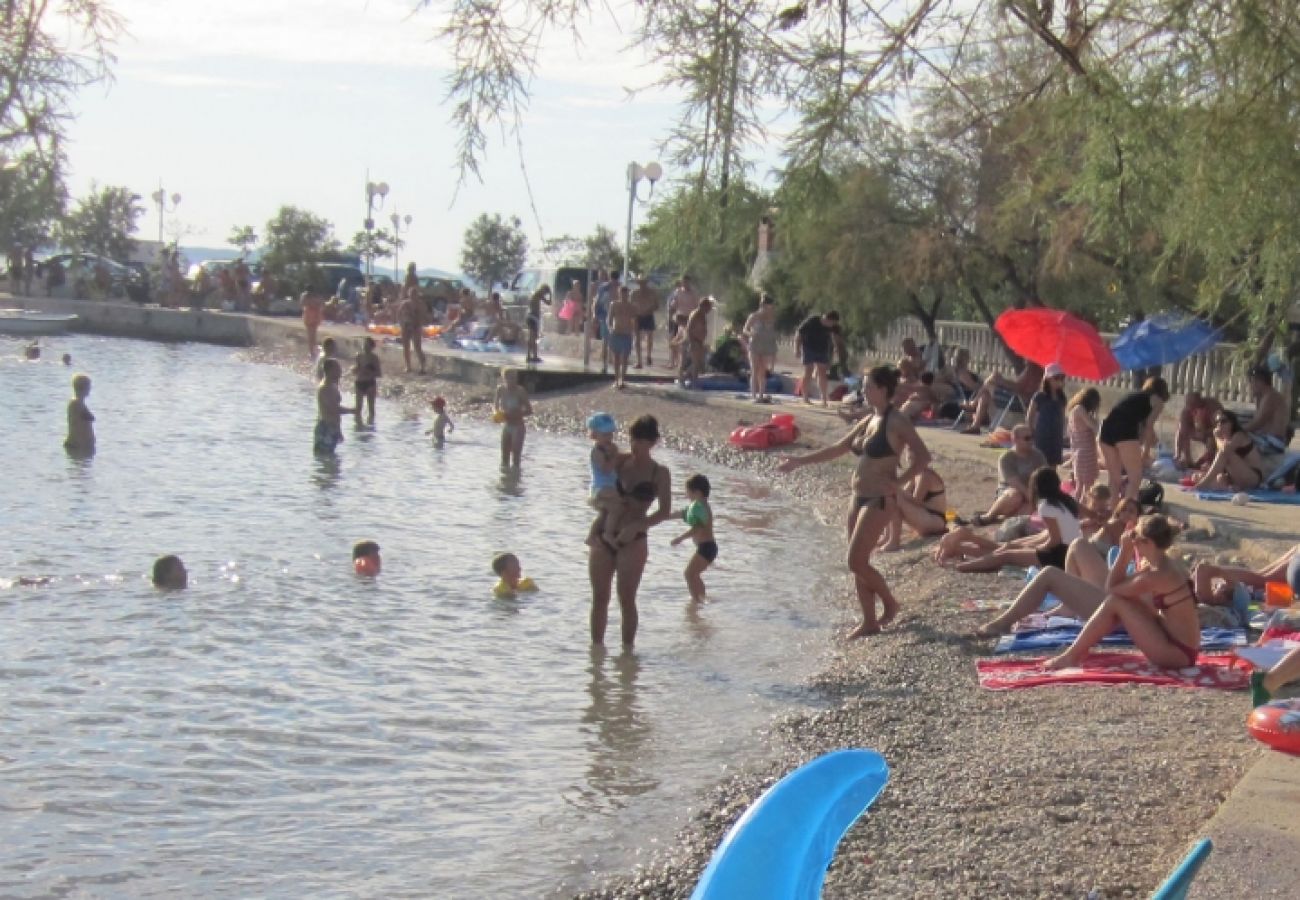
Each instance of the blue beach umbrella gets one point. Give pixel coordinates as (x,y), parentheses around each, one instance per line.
(1162,339)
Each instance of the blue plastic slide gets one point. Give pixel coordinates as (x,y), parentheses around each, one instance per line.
(780,848)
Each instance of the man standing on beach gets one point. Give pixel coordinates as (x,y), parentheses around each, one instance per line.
(813,344)
(622,323)
(645,302)
(412,315)
(606,291)
(695,347)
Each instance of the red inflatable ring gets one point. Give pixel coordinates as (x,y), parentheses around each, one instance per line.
(1277,724)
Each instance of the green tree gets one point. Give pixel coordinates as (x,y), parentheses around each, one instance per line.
(32,201)
(296,238)
(494,249)
(103,222)
(371,245)
(244,237)
(601,250)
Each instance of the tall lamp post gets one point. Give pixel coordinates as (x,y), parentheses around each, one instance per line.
(400,224)
(373,189)
(651,172)
(160,197)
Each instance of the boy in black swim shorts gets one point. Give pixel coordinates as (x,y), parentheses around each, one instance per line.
(699,516)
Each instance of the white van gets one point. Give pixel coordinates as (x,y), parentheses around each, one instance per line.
(529,280)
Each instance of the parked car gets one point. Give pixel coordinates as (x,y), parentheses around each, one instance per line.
(440,293)
(123,281)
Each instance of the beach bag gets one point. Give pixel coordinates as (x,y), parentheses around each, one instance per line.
(1151,497)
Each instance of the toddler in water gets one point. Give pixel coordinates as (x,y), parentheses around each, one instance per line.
(506,566)
(699,516)
(441,422)
(604,495)
(81,428)
(365,558)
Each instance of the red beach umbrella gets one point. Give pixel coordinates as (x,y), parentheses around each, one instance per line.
(1047,336)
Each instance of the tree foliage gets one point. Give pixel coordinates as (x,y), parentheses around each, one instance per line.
(32,201)
(371,245)
(296,238)
(494,249)
(103,222)
(244,237)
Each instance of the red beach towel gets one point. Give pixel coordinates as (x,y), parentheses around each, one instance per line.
(1212,670)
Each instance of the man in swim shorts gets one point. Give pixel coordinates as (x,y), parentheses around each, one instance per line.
(412,315)
(622,322)
(645,302)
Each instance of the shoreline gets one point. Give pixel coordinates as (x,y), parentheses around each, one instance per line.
(989,790)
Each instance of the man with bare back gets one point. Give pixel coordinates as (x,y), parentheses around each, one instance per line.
(645,303)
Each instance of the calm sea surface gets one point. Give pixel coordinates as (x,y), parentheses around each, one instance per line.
(283,728)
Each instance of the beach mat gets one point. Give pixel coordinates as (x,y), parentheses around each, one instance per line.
(1211,671)
(1255,496)
(1063,636)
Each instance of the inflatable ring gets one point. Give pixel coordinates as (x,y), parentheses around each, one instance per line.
(382,329)
(1277,724)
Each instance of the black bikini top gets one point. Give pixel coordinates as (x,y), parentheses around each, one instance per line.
(643,491)
(877,446)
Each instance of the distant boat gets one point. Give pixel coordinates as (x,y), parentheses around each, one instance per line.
(29,322)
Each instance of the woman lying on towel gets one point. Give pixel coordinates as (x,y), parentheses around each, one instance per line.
(1155,604)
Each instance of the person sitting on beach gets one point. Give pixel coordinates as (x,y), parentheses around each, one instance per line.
(329,409)
(1263,685)
(442,423)
(366,559)
(169,573)
(1154,603)
(1014,468)
(622,330)
(915,395)
(1128,433)
(1214,583)
(1094,506)
(366,371)
(506,567)
(998,390)
(698,515)
(1087,556)
(1272,420)
(912,358)
(1046,415)
(960,376)
(1195,425)
(603,493)
(81,421)
(511,406)
(1060,515)
(1237,464)
(922,505)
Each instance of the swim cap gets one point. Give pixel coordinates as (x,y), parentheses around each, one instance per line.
(601,423)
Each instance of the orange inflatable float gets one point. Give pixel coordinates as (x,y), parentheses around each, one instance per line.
(1276,724)
(431,331)
(779,431)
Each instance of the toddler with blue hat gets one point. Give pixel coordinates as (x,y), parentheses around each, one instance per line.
(605,457)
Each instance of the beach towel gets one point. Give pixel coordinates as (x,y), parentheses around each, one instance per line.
(1063,636)
(1211,671)
(1256,496)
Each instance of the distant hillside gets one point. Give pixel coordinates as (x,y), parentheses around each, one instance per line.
(198,254)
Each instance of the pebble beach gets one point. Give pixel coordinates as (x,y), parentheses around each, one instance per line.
(1062,792)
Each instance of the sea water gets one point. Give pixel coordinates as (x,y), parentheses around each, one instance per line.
(284,728)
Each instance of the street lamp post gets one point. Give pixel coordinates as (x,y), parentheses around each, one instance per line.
(160,197)
(373,189)
(652,172)
(400,224)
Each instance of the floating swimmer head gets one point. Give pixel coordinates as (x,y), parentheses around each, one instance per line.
(365,558)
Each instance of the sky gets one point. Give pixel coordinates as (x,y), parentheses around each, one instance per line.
(245,105)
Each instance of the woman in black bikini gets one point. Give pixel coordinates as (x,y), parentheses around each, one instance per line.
(1237,464)
(1127,433)
(877,442)
(922,504)
(1156,604)
(643,483)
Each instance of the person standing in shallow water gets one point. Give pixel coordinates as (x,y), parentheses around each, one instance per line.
(81,421)
(643,483)
(877,442)
(511,406)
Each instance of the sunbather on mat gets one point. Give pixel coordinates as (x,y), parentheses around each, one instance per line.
(1156,604)
(1060,515)
(1214,583)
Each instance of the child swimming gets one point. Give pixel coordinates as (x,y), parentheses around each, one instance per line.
(442,422)
(169,573)
(365,558)
(699,516)
(506,566)
(329,409)
(81,428)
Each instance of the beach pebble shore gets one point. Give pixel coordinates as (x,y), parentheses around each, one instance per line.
(1055,792)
